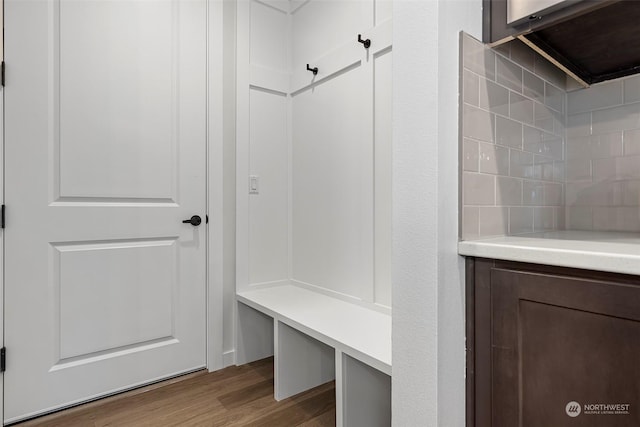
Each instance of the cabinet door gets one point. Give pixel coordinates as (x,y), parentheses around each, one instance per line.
(562,348)
(518,10)
(505,19)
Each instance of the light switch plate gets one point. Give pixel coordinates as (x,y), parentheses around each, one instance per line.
(254,183)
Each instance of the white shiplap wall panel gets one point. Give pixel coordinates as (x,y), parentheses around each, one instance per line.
(268,37)
(268,159)
(383,173)
(324,140)
(319,26)
(332,187)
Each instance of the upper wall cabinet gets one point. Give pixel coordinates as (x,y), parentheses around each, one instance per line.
(590,40)
(506,19)
(521,10)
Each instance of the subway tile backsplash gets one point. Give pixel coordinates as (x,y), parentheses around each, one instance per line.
(508,73)
(520,108)
(478,124)
(533,86)
(603,157)
(631,90)
(493,97)
(512,150)
(599,96)
(624,117)
(537,157)
(479,189)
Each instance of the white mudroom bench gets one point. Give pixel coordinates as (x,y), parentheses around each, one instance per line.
(316,338)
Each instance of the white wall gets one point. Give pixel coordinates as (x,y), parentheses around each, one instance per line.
(221,211)
(341,144)
(383,151)
(319,144)
(262,143)
(229,178)
(268,155)
(342,149)
(428,281)
(332,193)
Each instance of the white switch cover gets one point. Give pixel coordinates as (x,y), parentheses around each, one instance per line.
(254,184)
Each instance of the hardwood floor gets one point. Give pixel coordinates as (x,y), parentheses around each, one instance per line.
(235,396)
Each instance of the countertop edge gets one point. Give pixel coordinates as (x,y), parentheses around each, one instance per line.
(549,255)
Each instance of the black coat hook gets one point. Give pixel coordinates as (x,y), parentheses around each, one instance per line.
(366,43)
(314,70)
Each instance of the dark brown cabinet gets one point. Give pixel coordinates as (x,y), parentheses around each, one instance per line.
(551,346)
(496,28)
(590,40)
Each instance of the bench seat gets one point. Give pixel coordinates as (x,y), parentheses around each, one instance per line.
(360,332)
(316,338)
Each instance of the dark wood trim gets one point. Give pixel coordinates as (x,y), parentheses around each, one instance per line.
(494,19)
(580,44)
(607,298)
(470,340)
(580,72)
(601,276)
(487,15)
(482,333)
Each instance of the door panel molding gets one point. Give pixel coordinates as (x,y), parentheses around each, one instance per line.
(137,65)
(160,332)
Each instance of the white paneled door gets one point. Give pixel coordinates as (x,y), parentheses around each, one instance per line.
(105,115)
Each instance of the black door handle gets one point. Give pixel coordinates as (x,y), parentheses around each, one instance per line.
(194,220)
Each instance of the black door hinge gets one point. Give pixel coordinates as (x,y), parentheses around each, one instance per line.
(2,217)
(3,359)
(206,219)
(2,73)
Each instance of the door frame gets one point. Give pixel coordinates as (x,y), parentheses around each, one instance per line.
(2,203)
(214,191)
(215,187)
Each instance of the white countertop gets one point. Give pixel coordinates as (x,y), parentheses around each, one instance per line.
(603,251)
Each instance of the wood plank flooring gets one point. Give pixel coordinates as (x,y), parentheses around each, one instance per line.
(235,396)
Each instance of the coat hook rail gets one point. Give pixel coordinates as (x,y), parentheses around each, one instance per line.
(366,43)
(314,70)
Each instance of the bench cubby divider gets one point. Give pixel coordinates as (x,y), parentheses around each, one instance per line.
(301,362)
(316,338)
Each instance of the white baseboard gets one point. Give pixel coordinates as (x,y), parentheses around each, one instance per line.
(229,358)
